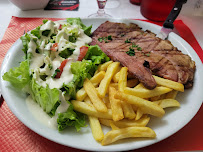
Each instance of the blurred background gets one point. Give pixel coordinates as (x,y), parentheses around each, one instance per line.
(191,13)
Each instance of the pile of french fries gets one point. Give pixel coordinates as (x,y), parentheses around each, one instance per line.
(110,99)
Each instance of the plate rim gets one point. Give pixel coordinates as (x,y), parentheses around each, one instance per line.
(86,148)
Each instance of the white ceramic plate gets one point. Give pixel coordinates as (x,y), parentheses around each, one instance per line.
(173,120)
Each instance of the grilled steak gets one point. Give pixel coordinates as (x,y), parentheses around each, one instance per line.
(144,54)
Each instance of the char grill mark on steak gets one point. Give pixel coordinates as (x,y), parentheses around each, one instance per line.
(164,60)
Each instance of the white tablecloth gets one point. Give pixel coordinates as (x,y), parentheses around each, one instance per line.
(116,8)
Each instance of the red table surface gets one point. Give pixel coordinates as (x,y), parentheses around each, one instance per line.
(15,136)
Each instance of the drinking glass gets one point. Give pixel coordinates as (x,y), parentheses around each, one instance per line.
(100,13)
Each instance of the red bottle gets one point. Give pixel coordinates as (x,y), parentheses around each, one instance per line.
(156,10)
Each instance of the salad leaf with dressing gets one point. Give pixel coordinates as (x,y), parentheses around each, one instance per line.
(44,74)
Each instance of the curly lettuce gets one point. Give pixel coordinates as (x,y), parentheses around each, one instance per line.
(71,118)
(85,69)
(87,30)
(19,77)
(47,98)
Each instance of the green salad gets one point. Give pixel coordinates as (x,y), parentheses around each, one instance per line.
(57,61)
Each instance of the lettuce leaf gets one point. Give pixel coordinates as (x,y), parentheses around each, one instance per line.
(25,40)
(71,118)
(19,77)
(36,32)
(81,71)
(47,98)
(96,55)
(87,30)
(66,52)
(85,69)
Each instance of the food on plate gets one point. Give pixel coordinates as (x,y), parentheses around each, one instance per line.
(70,76)
(144,54)
(128,132)
(53,72)
(128,113)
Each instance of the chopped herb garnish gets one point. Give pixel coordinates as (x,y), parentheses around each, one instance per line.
(139,49)
(109,37)
(147,54)
(105,39)
(100,39)
(127,41)
(122,35)
(55,73)
(131,52)
(133,45)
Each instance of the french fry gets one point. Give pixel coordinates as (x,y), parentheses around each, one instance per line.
(128,110)
(87,101)
(171,95)
(113,126)
(81,94)
(129,132)
(92,93)
(155,98)
(122,83)
(91,111)
(134,107)
(110,99)
(163,96)
(146,93)
(142,122)
(146,106)
(139,86)
(96,79)
(96,128)
(138,114)
(168,83)
(157,102)
(94,124)
(166,103)
(104,66)
(116,77)
(107,102)
(132,83)
(115,85)
(117,111)
(103,87)
(108,105)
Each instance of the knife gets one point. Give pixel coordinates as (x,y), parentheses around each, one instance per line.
(168,24)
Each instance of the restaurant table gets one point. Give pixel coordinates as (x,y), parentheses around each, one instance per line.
(117,9)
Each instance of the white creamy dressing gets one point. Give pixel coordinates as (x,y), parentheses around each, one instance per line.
(42,45)
(38,59)
(65,78)
(42,116)
(49,25)
(81,41)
